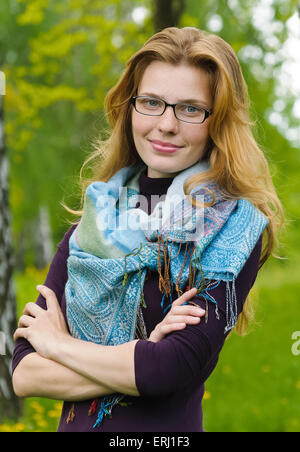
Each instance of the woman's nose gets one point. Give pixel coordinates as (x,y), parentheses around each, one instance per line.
(168,122)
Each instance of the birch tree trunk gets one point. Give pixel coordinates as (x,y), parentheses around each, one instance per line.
(9,403)
(167,13)
(43,243)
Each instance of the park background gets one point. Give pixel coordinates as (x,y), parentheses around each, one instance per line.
(60,57)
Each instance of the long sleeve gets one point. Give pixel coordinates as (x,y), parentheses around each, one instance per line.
(189,355)
(55,280)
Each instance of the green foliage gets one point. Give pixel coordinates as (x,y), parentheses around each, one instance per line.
(72,53)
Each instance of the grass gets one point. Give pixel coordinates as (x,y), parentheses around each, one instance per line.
(256,384)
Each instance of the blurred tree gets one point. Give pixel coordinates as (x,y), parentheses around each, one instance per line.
(167,13)
(9,403)
(257,31)
(43,242)
(72,53)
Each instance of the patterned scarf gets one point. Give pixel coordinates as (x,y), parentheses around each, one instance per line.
(115,243)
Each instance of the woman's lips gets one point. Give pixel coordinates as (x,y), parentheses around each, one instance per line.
(168,148)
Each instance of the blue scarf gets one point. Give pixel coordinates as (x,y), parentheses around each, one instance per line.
(115,243)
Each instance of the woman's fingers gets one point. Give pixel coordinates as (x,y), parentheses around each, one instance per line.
(167,329)
(25,321)
(179,316)
(180,308)
(20,332)
(186,296)
(50,296)
(32,309)
(163,329)
(186,319)
(187,310)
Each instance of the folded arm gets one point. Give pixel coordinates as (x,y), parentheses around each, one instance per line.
(62,361)
(36,376)
(69,369)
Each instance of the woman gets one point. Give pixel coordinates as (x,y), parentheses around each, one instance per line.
(179,216)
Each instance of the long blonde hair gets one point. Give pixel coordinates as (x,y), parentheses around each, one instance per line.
(237,164)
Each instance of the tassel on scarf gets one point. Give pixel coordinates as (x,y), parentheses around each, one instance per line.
(93,407)
(106,407)
(164,281)
(231,306)
(177,284)
(71,414)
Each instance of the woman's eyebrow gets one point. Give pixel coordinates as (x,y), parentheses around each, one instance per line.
(181,101)
(157,96)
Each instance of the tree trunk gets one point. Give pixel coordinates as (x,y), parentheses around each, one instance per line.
(167,13)
(43,241)
(9,403)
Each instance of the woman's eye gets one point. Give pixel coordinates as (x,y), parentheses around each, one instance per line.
(152,103)
(191,109)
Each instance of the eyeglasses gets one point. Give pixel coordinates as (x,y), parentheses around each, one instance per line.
(151,106)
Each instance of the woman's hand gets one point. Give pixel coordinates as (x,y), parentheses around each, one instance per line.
(43,328)
(178,317)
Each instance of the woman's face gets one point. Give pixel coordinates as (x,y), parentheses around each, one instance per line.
(154,136)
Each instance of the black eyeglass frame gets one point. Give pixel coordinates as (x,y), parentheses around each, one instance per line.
(134,98)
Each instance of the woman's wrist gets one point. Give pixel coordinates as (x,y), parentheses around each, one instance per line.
(110,366)
(61,347)
(36,376)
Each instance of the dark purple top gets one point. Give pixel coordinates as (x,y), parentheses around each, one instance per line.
(170,374)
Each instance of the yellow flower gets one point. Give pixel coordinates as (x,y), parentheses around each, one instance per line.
(42,423)
(19,427)
(294,425)
(226,370)
(37,407)
(54,413)
(58,406)
(5,428)
(207,395)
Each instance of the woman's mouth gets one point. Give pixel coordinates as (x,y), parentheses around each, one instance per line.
(165,147)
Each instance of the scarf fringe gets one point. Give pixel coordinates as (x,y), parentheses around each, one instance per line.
(106,407)
(166,283)
(93,407)
(71,415)
(231,307)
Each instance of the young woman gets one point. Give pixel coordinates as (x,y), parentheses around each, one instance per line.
(179,216)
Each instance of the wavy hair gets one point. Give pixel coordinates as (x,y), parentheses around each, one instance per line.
(237,164)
